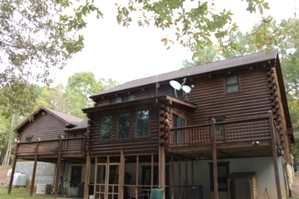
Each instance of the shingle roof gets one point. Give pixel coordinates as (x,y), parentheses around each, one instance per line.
(68,120)
(201,69)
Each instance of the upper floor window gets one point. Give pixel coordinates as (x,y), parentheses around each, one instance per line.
(179,135)
(178,121)
(123,125)
(106,128)
(29,138)
(142,123)
(232,84)
(122,99)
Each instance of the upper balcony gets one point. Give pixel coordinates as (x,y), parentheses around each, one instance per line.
(239,138)
(48,150)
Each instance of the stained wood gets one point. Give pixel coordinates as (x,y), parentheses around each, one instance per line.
(34,169)
(274,156)
(214,151)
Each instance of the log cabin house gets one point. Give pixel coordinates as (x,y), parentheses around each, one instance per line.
(218,130)
(55,137)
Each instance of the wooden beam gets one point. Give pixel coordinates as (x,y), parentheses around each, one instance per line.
(121,175)
(13,169)
(214,152)
(58,169)
(186,177)
(87,176)
(171,178)
(137,170)
(274,155)
(162,170)
(34,168)
(180,179)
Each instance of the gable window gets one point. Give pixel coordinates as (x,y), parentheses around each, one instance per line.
(232,84)
(123,125)
(180,134)
(29,138)
(222,172)
(106,128)
(122,99)
(142,123)
(76,176)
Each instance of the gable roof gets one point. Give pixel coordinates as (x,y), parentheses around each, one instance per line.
(201,69)
(68,120)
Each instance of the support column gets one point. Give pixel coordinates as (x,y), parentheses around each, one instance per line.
(162,170)
(171,178)
(214,151)
(13,169)
(34,168)
(274,154)
(121,175)
(58,169)
(87,176)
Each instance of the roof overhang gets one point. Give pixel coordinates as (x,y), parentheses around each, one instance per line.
(165,99)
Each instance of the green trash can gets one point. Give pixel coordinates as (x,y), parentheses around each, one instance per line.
(156,194)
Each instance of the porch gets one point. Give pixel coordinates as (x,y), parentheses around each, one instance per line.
(49,150)
(250,137)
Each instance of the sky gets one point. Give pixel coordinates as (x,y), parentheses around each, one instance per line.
(128,53)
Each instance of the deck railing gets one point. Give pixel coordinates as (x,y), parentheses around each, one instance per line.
(225,131)
(69,146)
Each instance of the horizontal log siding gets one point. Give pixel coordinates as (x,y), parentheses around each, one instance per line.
(129,145)
(45,127)
(212,101)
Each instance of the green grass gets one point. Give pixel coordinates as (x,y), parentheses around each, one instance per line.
(21,193)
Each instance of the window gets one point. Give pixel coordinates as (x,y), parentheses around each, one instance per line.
(76,176)
(180,134)
(122,99)
(223,172)
(123,125)
(106,128)
(29,138)
(232,84)
(142,123)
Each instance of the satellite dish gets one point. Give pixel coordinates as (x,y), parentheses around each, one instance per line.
(176,85)
(186,89)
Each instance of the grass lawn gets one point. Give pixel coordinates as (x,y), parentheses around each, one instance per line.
(21,193)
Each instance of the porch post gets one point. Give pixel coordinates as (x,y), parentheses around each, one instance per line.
(87,176)
(58,168)
(162,170)
(214,151)
(34,168)
(171,178)
(121,176)
(13,169)
(274,154)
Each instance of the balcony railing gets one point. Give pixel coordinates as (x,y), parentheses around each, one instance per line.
(225,132)
(50,147)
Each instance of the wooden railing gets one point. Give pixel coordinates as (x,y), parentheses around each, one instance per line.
(225,132)
(69,146)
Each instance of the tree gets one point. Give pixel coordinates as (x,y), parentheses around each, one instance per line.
(209,54)
(37,37)
(33,45)
(78,89)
